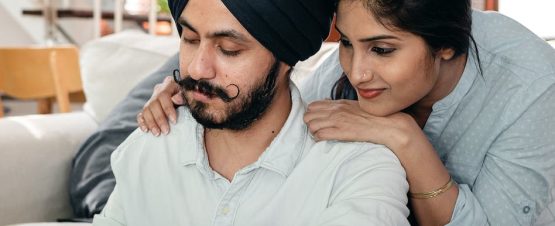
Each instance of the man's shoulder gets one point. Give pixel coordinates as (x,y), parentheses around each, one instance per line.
(352,169)
(142,147)
(185,124)
(365,153)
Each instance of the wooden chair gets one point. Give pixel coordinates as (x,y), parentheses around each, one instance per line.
(491,5)
(42,73)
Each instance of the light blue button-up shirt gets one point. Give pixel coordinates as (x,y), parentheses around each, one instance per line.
(495,132)
(168,181)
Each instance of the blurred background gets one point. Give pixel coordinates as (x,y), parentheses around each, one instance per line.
(35,23)
(25,23)
(51,23)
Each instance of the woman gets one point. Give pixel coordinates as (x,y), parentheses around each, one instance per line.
(463,98)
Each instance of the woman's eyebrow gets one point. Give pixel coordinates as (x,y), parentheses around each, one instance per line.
(371,38)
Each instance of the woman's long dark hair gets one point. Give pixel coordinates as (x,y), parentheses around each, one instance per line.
(441,23)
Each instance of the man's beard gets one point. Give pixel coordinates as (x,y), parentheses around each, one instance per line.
(241,114)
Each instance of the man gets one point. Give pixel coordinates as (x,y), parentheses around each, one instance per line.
(240,153)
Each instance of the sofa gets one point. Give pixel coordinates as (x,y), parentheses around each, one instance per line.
(36,151)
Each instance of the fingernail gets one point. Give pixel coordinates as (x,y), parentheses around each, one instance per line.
(172,119)
(165,130)
(156,132)
(144,129)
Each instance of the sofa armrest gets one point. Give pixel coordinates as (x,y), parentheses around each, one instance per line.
(35,160)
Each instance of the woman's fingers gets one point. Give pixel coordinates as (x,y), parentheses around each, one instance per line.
(142,123)
(160,108)
(318,123)
(345,121)
(319,114)
(150,122)
(337,128)
(340,120)
(177,99)
(168,108)
(321,105)
(333,133)
(334,106)
(164,94)
(159,116)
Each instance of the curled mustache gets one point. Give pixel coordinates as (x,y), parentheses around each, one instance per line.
(204,87)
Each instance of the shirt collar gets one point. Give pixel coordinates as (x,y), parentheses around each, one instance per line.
(463,86)
(286,149)
(193,147)
(280,156)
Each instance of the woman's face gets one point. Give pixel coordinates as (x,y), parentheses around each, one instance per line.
(389,69)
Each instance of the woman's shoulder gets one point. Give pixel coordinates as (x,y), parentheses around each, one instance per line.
(507,47)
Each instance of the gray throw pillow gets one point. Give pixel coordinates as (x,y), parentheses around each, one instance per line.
(92,180)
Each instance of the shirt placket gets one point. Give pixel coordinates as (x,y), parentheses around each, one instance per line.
(226,211)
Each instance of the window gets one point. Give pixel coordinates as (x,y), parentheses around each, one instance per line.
(536,15)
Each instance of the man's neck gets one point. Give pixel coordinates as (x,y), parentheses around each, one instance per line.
(229,151)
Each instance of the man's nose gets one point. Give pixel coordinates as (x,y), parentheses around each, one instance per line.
(202,64)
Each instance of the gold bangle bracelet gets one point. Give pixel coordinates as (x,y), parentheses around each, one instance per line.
(434,193)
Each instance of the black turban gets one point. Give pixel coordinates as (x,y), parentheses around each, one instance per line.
(292,30)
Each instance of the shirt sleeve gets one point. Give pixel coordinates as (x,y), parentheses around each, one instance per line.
(318,84)
(468,210)
(112,214)
(517,178)
(370,189)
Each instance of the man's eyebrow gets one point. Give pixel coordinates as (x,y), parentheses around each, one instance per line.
(233,34)
(370,39)
(183,22)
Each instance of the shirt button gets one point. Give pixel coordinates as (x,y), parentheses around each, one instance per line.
(526,209)
(225,210)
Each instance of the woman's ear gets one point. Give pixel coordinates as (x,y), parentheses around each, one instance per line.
(446,53)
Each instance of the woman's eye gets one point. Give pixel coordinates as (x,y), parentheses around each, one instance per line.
(345,42)
(382,51)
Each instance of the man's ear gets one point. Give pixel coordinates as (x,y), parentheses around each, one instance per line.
(285,69)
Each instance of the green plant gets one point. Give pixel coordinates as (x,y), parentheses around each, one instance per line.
(163,6)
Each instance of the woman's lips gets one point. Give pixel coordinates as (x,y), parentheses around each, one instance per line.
(369,93)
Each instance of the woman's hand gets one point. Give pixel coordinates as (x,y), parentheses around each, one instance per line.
(156,112)
(344,120)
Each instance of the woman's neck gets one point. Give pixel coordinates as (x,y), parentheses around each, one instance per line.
(450,72)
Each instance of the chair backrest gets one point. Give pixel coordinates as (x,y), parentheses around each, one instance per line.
(41,72)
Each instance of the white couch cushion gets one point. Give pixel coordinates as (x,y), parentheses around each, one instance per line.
(112,65)
(53,224)
(35,162)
